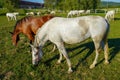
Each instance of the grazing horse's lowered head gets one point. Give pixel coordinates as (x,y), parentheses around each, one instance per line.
(28,26)
(72,30)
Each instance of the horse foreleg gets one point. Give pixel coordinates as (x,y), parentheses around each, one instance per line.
(8,18)
(31,37)
(63,51)
(95,60)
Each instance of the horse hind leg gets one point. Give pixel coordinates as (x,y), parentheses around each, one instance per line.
(106,50)
(97,43)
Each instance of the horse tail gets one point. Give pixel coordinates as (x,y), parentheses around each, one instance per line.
(108,26)
(107,17)
(106,33)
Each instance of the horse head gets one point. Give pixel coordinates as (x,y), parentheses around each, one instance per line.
(36,54)
(15,38)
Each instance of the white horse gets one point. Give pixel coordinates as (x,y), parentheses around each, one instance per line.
(71,30)
(81,12)
(52,12)
(73,12)
(38,13)
(110,15)
(87,12)
(11,16)
(30,13)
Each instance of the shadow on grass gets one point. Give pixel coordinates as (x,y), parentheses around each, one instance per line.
(116,18)
(114,45)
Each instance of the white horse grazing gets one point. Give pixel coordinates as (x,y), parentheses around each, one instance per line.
(30,13)
(87,12)
(72,13)
(38,13)
(81,12)
(52,12)
(11,16)
(110,15)
(71,30)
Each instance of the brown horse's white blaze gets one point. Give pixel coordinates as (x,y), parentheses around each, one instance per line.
(73,30)
(28,26)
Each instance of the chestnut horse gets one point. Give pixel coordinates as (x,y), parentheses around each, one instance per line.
(28,26)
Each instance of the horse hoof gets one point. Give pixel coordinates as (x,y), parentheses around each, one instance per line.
(106,62)
(58,62)
(70,71)
(92,66)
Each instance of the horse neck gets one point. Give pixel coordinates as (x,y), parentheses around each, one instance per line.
(46,18)
(15,35)
(41,36)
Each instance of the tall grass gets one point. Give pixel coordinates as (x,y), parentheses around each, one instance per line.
(15,62)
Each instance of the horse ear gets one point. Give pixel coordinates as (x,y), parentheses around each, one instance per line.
(11,32)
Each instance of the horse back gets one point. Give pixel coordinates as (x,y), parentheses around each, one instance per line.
(73,30)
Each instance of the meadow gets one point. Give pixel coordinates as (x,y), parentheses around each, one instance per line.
(15,62)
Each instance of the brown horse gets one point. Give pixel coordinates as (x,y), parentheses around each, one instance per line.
(28,26)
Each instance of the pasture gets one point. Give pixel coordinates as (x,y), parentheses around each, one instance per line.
(15,62)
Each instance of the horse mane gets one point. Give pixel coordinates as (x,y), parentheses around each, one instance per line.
(23,20)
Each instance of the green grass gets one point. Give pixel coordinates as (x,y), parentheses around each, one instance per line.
(15,62)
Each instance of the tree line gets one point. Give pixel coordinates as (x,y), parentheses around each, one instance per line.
(56,4)
(72,4)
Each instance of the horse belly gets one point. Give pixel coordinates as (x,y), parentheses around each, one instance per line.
(75,38)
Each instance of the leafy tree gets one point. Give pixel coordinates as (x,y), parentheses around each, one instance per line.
(96,4)
(1,3)
(9,4)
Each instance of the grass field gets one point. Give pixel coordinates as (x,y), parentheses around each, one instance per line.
(15,62)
